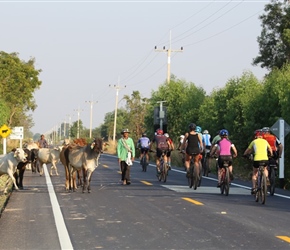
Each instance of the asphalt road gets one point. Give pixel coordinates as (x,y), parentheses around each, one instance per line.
(147,214)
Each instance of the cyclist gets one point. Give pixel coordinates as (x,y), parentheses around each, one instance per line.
(181,138)
(260,148)
(144,143)
(192,145)
(171,147)
(274,143)
(225,146)
(162,145)
(206,143)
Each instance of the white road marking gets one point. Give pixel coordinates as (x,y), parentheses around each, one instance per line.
(63,235)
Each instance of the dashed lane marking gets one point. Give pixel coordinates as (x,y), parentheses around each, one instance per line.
(147,183)
(193,201)
(285,238)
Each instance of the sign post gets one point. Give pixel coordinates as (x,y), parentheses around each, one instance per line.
(4,132)
(281,129)
(17,134)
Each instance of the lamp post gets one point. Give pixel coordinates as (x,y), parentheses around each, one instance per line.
(117,87)
(91,115)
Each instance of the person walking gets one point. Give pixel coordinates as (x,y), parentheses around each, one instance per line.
(126,155)
(42,143)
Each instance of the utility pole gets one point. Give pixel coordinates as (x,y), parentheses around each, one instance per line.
(117,87)
(91,116)
(69,122)
(161,114)
(78,129)
(168,55)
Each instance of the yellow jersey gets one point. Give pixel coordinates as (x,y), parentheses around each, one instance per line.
(260,147)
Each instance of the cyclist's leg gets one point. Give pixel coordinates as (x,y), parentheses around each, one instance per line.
(255,175)
(220,165)
(158,154)
(196,163)
(187,162)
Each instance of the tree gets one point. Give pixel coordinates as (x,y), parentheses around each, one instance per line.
(18,82)
(274,41)
(136,107)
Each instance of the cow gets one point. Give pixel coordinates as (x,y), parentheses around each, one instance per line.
(31,145)
(9,162)
(48,156)
(85,158)
(31,159)
(75,184)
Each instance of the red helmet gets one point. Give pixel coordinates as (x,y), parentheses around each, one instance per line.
(258,132)
(159,131)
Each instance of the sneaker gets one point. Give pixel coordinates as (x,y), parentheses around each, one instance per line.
(128,182)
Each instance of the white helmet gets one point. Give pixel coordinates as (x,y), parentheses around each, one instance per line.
(167,135)
(182,136)
(205,131)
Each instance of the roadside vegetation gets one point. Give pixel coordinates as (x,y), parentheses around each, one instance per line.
(244,103)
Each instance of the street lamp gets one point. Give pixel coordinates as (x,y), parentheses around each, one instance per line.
(91,116)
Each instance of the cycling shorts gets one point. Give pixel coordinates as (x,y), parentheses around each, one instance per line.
(144,150)
(160,151)
(223,158)
(257,164)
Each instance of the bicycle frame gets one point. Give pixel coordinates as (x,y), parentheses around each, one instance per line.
(261,185)
(163,168)
(225,178)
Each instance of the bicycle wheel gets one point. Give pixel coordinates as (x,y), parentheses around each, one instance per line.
(222,186)
(263,189)
(227,182)
(165,170)
(272,181)
(199,174)
(195,178)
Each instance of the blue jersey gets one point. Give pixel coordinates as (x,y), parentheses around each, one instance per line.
(144,142)
(206,139)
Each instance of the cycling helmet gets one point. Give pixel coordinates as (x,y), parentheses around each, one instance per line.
(191,126)
(258,132)
(224,132)
(182,136)
(125,130)
(198,129)
(159,131)
(266,130)
(166,134)
(144,135)
(205,131)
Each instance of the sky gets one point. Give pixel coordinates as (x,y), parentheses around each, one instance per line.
(90,51)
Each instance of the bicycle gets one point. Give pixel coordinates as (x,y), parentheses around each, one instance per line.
(195,174)
(225,178)
(205,165)
(143,161)
(272,166)
(261,184)
(163,168)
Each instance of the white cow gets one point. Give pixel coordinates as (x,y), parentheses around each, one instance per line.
(9,162)
(48,156)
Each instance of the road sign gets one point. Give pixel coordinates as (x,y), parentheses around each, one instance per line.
(17,133)
(5,131)
(276,127)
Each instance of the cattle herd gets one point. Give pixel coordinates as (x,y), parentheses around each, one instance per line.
(78,157)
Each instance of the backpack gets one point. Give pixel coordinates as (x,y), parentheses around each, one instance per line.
(161,142)
(271,139)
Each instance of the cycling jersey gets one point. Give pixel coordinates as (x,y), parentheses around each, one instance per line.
(192,144)
(225,146)
(260,147)
(271,139)
(144,142)
(206,140)
(161,142)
